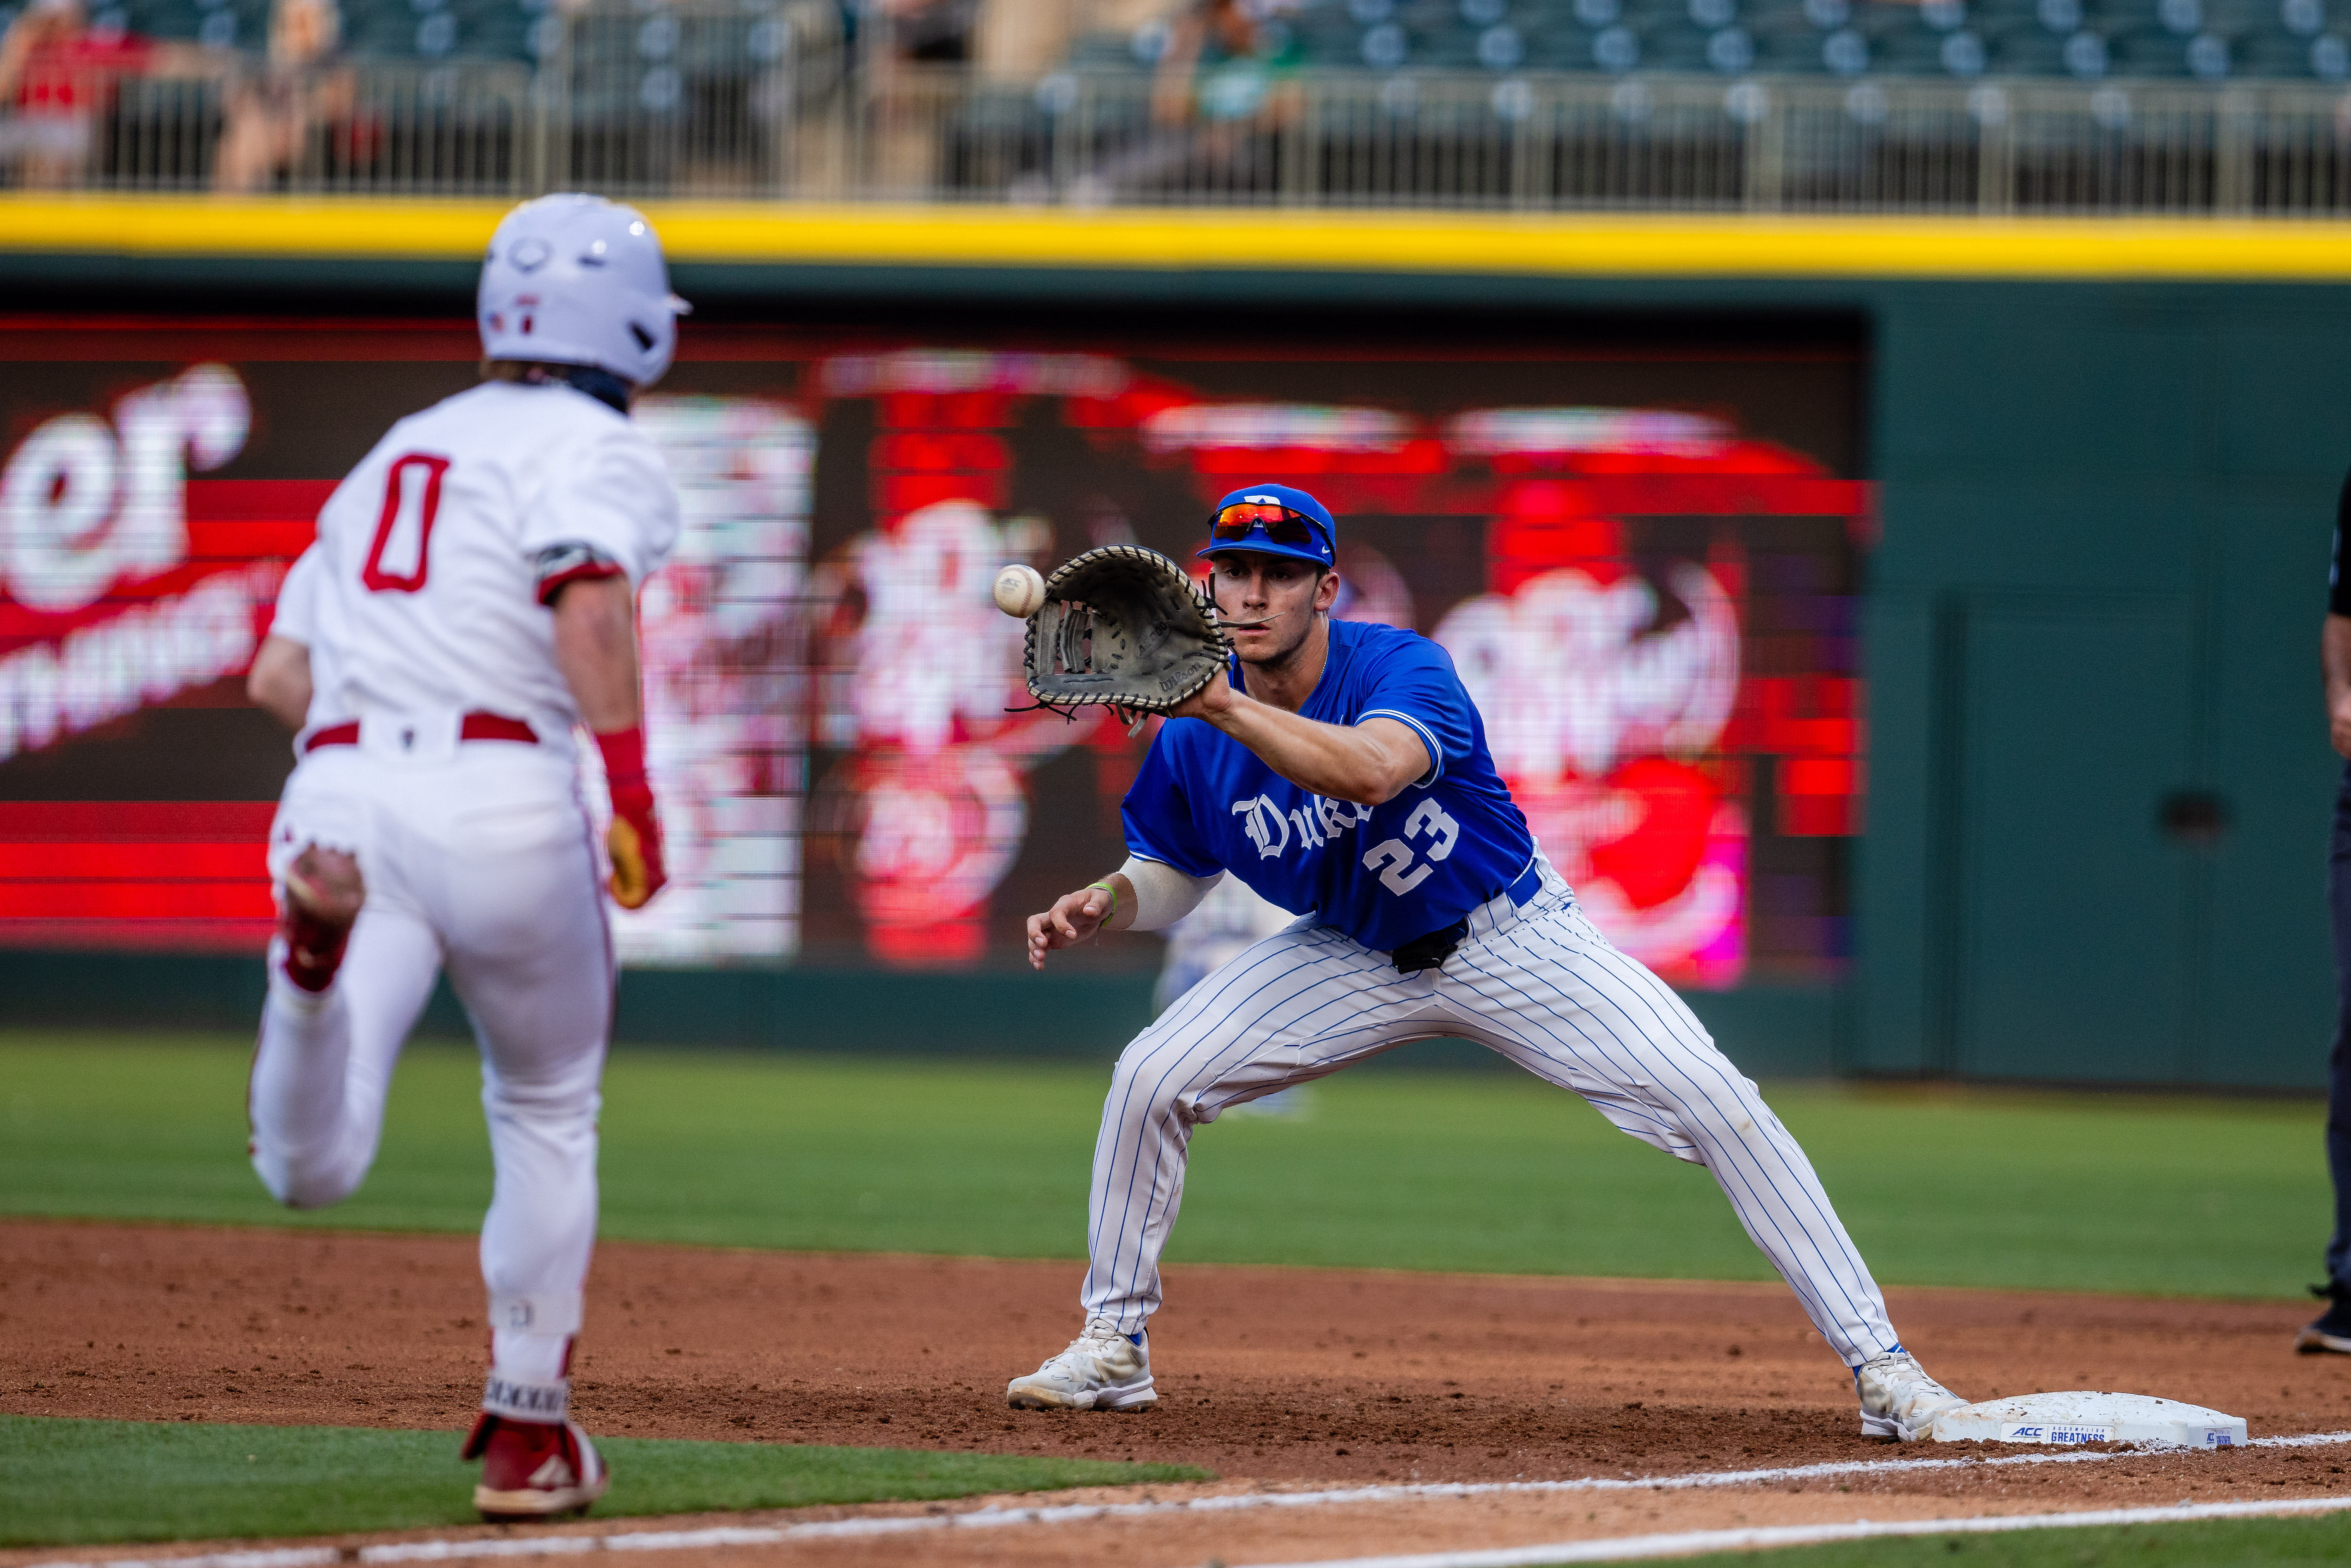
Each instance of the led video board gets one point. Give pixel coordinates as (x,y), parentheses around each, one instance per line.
(1643,565)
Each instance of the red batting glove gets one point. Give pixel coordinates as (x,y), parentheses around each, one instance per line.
(636,839)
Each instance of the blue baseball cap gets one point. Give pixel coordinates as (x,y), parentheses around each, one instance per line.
(1274,519)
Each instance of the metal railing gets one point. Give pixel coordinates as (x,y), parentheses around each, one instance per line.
(706,97)
(1647,142)
(449,130)
(754,99)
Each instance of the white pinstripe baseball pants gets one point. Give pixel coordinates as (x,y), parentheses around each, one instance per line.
(1541,986)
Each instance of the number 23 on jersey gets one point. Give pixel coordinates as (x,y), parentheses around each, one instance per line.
(1400,867)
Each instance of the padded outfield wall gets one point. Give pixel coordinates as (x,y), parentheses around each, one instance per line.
(2048,502)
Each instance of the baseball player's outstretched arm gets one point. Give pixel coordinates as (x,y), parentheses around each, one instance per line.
(279,681)
(1367,763)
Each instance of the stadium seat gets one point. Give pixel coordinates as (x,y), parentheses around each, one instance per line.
(2089,40)
(1385,47)
(2286,55)
(1677,48)
(1450,49)
(1790,52)
(1613,49)
(1845,52)
(1914,51)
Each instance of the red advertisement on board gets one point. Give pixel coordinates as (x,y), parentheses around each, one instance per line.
(1649,598)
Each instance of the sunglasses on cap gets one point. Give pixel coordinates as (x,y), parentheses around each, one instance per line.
(1235,523)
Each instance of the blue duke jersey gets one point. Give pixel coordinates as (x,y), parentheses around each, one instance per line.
(1205,803)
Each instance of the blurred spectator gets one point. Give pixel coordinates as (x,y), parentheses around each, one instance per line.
(58,77)
(1224,61)
(893,36)
(300,86)
(932,32)
(1022,41)
(1223,79)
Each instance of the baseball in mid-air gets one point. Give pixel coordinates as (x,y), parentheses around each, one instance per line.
(1019,591)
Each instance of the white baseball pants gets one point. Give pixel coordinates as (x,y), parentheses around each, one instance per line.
(481,862)
(1541,986)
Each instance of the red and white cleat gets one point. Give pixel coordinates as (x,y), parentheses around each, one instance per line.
(534,1469)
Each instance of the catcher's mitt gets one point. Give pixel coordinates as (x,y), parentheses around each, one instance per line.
(1122,626)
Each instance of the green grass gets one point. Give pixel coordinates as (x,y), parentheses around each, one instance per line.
(2269,1542)
(81,1481)
(1402,1169)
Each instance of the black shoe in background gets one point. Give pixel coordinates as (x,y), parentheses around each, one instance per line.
(2331,1332)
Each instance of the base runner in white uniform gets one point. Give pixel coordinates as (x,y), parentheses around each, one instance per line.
(469,600)
(1342,770)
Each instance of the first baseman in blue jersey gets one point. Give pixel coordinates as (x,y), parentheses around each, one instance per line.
(1206,805)
(1342,771)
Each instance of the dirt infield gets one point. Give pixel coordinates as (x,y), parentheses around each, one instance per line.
(1268,1377)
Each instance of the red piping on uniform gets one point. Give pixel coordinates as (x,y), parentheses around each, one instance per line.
(585,570)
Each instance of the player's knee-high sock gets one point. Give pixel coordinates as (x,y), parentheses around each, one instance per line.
(530,1375)
(1552,994)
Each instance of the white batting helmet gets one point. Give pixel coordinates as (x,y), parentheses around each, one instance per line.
(578,280)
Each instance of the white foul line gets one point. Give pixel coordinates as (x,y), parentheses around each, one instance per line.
(997,1517)
(1691,1542)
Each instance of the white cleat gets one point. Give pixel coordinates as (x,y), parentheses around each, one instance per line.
(1101,1370)
(1898,1400)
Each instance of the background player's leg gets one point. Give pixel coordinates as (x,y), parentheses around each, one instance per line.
(325,1059)
(1292,1008)
(2332,1329)
(2339,1105)
(1553,995)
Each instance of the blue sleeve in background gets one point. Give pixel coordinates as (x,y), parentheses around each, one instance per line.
(1158,818)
